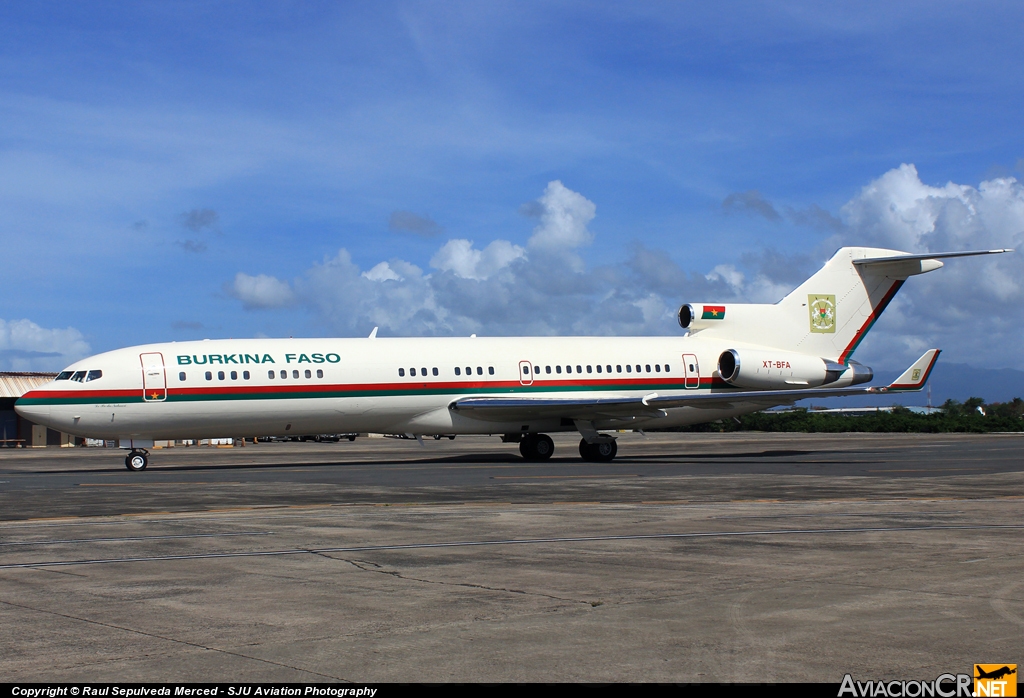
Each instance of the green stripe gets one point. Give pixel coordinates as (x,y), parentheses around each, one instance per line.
(299,395)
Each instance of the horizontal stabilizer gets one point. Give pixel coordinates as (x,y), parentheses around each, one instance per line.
(932,255)
(916,376)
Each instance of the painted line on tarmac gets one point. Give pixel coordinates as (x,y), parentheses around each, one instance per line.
(515,541)
(138,538)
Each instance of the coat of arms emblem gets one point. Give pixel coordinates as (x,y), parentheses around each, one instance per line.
(823,312)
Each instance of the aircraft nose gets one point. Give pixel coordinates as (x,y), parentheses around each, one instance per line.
(40,414)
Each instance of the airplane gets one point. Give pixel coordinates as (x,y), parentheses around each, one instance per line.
(995,673)
(735,358)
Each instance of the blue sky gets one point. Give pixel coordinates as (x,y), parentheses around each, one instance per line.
(157,158)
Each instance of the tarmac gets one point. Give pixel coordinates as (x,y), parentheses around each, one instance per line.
(690,558)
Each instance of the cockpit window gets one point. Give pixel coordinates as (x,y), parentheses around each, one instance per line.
(63,375)
(78,376)
(93,375)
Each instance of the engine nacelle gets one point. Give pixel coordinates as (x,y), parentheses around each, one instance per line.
(781,370)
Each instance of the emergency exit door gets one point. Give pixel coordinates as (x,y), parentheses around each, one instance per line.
(154,377)
(691,371)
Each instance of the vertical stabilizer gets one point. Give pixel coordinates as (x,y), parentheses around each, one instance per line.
(826,316)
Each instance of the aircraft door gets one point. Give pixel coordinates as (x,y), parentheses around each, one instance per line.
(691,371)
(525,373)
(154,377)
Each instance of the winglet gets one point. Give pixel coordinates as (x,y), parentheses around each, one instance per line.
(373,335)
(916,376)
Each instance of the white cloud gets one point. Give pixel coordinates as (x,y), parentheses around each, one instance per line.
(727,273)
(382,272)
(463,260)
(564,216)
(261,291)
(973,307)
(25,346)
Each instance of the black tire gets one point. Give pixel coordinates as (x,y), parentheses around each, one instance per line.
(136,461)
(536,447)
(437,437)
(601,452)
(352,438)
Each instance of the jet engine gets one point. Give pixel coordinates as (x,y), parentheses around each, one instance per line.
(780,370)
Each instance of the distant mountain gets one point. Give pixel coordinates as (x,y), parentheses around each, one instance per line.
(956,381)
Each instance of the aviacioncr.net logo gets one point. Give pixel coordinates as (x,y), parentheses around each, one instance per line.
(945,686)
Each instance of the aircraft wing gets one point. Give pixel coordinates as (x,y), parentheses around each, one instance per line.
(504,409)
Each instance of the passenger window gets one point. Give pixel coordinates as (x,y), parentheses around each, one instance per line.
(79,376)
(558,369)
(270,375)
(692,369)
(638,368)
(64,375)
(319,373)
(568,369)
(458,371)
(209,376)
(220,375)
(401,373)
(657,368)
(618,368)
(667,369)
(234,375)
(608,369)
(628,368)
(526,370)
(434,370)
(579,369)
(412,371)
(245,375)
(309,374)
(181,376)
(469,370)
(479,370)
(589,369)
(423,371)
(598,368)
(295,374)
(547,369)
(284,374)
(647,367)
(490,370)
(93,375)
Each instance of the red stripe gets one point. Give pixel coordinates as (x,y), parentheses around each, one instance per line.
(875,312)
(455,387)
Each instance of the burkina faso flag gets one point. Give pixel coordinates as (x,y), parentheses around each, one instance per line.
(713,312)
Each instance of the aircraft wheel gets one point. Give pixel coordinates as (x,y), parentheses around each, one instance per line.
(136,461)
(602,452)
(537,447)
(351,438)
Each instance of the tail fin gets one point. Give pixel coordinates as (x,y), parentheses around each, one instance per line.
(826,316)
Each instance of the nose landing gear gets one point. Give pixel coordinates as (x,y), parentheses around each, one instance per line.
(137,460)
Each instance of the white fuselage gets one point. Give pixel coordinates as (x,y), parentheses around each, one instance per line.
(262,387)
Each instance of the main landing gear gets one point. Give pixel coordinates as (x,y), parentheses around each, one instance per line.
(600,452)
(536,447)
(539,447)
(137,460)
